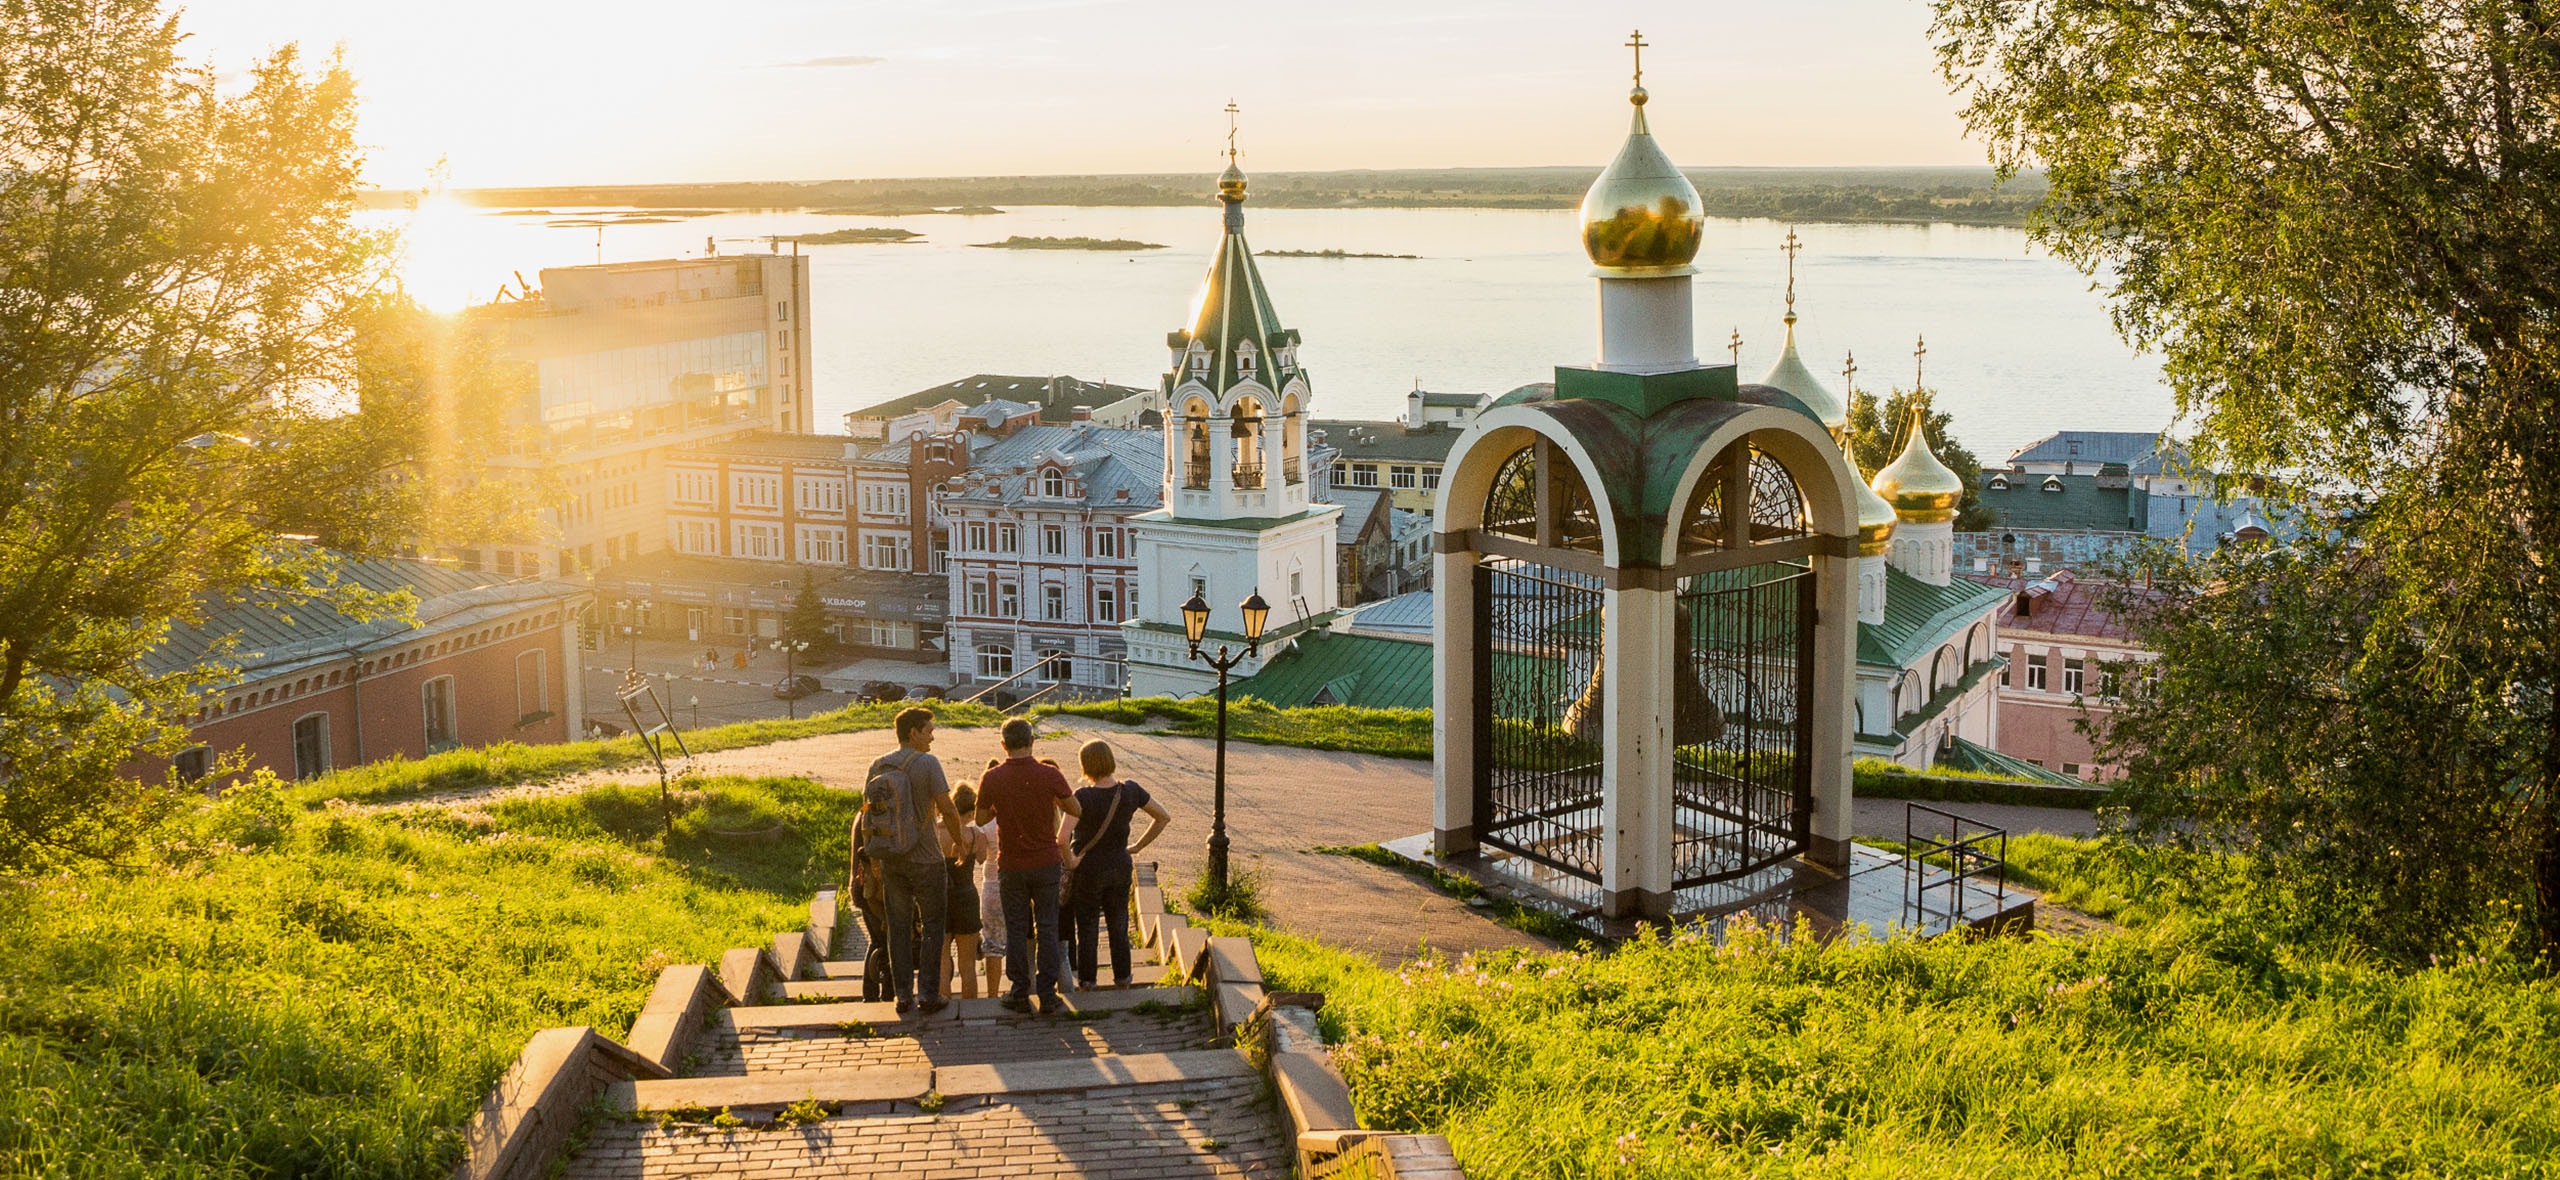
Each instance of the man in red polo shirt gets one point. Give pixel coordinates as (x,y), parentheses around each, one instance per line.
(1026,799)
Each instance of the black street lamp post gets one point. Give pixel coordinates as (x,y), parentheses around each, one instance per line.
(1195,625)
(638,609)
(791,649)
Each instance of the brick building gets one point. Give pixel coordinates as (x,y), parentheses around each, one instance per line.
(489,659)
(2059,644)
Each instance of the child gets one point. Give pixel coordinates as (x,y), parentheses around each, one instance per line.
(964,921)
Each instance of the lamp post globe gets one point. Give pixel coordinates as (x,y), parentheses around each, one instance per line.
(1195,620)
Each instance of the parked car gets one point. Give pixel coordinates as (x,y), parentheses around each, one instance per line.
(795,687)
(926,692)
(883,691)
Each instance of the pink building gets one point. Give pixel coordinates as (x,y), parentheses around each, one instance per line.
(489,659)
(2059,642)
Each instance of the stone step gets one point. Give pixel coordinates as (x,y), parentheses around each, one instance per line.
(1198,1114)
(828,1015)
(844,978)
(751,1050)
(861,1088)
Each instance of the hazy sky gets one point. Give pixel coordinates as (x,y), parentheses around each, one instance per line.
(548,92)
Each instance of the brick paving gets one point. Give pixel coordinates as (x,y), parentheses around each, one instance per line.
(1154,1132)
(734,1052)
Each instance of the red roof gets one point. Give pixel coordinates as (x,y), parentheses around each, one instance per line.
(2057,603)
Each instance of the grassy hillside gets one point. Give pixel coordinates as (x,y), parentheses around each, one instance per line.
(2183,1047)
(310,993)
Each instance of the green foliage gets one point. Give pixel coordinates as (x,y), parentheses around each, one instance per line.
(807,620)
(185,304)
(2334,222)
(1388,733)
(2195,1047)
(803,1113)
(2287,718)
(1240,900)
(394,779)
(1877,431)
(339,1007)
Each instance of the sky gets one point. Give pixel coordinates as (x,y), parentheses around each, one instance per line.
(532,92)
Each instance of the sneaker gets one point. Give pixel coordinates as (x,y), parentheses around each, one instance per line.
(1015,1003)
(905,1003)
(936,1004)
(1051,1005)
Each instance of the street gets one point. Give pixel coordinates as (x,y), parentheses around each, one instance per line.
(697,698)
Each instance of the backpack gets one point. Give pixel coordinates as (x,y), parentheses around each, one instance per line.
(889,828)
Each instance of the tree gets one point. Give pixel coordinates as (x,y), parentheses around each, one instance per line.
(180,290)
(2336,223)
(1876,432)
(807,621)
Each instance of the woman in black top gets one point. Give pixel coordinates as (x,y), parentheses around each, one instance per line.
(1101,858)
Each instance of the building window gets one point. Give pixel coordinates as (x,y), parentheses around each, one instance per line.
(888,553)
(734,621)
(193,763)
(1360,475)
(1008,601)
(885,500)
(782,310)
(1431,478)
(1053,602)
(2071,673)
(977,537)
(941,553)
(2071,768)
(820,545)
(1296,583)
(1106,543)
(978,599)
(1053,541)
(1053,484)
(1056,668)
(532,694)
(756,491)
(1008,539)
(693,487)
(1403,477)
(1199,587)
(2035,672)
(1106,605)
(887,634)
(820,494)
(995,662)
(697,536)
(762,542)
(435,707)
(311,746)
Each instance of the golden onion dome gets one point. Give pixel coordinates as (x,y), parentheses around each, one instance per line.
(1875,522)
(1642,215)
(1921,489)
(1231,182)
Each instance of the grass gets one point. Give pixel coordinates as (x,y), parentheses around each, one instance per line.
(1526,919)
(2192,1046)
(1388,733)
(1240,900)
(328,994)
(395,779)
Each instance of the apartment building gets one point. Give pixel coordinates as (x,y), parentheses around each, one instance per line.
(633,362)
(1042,562)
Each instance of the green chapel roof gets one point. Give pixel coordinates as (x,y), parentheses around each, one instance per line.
(1918,617)
(1235,307)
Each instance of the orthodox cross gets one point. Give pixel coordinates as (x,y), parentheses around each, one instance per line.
(1791,245)
(1636,42)
(1231,131)
(1919,357)
(1849,377)
(1737,346)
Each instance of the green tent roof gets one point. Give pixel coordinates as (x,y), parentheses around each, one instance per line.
(1369,671)
(1966,756)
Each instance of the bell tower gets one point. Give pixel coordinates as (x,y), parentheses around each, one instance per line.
(1239,515)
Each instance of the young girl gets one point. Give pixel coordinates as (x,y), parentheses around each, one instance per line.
(964,919)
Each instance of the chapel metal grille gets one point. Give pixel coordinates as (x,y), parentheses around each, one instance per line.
(1742,795)
(1538,783)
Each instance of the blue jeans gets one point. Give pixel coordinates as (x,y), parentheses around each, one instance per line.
(1031,920)
(916,888)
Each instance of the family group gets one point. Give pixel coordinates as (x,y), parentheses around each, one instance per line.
(1015,873)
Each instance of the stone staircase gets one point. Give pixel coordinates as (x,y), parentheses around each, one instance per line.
(767,1069)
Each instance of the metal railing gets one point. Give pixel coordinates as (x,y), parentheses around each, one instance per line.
(1048,688)
(1969,850)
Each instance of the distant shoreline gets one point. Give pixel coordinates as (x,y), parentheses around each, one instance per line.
(1946,195)
(1325,254)
(1112,245)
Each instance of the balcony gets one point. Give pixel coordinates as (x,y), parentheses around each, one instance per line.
(1248,476)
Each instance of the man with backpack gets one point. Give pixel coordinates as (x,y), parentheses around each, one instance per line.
(900,798)
(1025,798)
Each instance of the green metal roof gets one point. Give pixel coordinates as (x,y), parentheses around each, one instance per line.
(1368,671)
(1918,617)
(1964,755)
(2081,504)
(1235,307)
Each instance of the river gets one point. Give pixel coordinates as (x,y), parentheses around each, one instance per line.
(2019,345)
